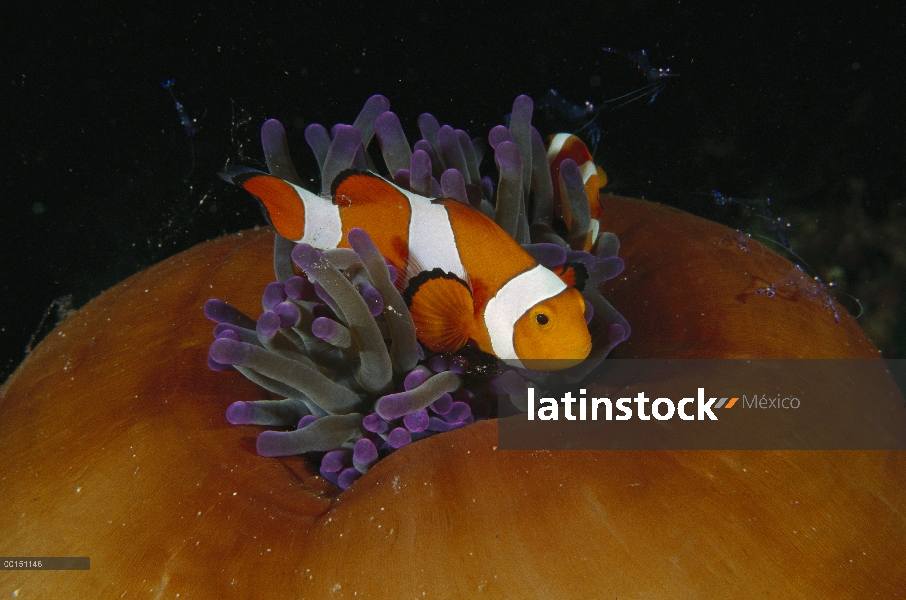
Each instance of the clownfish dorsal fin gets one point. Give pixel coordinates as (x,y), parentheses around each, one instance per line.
(355,187)
(280,201)
(573,274)
(442,309)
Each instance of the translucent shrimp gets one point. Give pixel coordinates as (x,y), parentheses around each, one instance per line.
(188,123)
(583,116)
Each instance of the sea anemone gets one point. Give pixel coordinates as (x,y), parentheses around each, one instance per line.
(337,342)
(116,448)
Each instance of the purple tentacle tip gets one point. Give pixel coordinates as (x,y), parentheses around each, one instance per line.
(401,178)
(215,310)
(523,106)
(288,314)
(347,478)
(415,378)
(417,421)
(375,424)
(216,366)
(589,312)
(226,351)
(272,129)
(221,312)
(306,421)
(332,477)
(393,142)
(508,157)
(372,297)
(239,413)
(306,257)
(458,412)
(324,328)
(358,239)
(453,185)
(364,454)
(398,438)
(334,461)
(227,332)
(299,288)
(498,135)
(420,172)
(268,324)
(442,405)
(274,294)
(270,443)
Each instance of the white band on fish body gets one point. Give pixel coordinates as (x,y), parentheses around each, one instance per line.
(432,244)
(556,145)
(513,300)
(588,170)
(323,228)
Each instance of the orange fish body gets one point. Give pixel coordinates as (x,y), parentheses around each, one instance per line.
(560,147)
(463,277)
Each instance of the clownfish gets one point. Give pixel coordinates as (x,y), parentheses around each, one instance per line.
(566,145)
(463,277)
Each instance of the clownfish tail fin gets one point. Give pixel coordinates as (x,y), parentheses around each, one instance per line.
(280,201)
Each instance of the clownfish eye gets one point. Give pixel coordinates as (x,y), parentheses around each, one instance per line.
(541,318)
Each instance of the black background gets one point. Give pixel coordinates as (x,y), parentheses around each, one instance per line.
(799,102)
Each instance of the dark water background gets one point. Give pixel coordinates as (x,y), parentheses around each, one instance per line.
(799,103)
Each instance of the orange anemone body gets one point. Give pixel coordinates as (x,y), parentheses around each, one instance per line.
(116,447)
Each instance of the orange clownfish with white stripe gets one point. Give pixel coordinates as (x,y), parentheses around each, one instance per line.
(566,145)
(463,277)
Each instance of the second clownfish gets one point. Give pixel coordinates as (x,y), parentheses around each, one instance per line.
(463,277)
(566,145)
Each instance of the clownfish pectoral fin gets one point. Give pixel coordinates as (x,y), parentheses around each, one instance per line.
(442,309)
(573,274)
(280,201)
